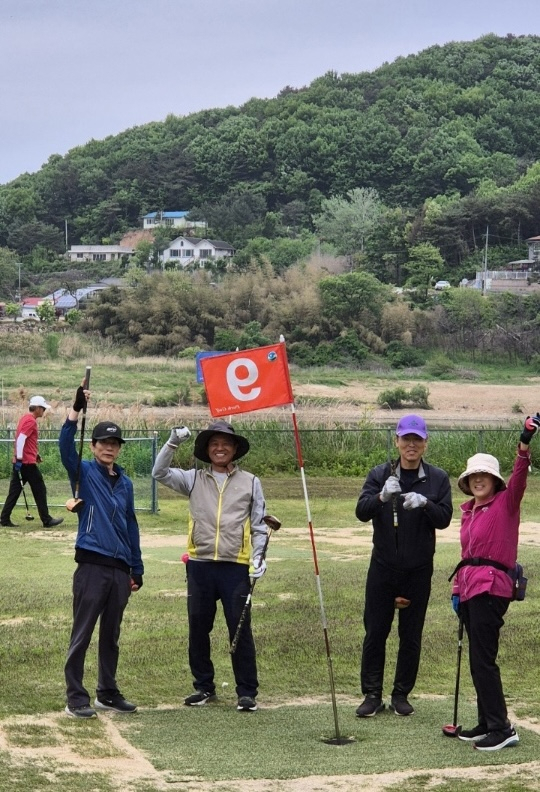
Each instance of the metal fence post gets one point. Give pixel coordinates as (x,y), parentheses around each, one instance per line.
(154,503)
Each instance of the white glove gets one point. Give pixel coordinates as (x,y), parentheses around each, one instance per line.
(257,568)
(178,435)
(391,487)
(413,500)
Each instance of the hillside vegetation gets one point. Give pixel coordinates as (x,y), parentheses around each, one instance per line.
(391,177)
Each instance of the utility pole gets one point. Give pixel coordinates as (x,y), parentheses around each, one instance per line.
(484,279)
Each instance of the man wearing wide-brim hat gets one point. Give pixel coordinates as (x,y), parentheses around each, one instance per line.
(226,531)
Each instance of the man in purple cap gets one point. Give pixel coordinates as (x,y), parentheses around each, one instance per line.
(406,499)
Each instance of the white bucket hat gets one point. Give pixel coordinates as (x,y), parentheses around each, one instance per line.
(481,463)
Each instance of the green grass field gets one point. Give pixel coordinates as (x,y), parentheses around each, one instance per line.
(169,746)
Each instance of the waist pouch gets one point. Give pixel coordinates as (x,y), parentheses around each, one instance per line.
(517,576)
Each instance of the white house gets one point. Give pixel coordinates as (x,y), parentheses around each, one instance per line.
(78,253)
(171,220)
(192,250)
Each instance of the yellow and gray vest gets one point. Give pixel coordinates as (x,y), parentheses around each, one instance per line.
(220,517)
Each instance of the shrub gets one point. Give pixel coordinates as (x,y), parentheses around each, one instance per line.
(401,356)
(398,397)
(419,396)
(392,399)
(52,341)
(440,366)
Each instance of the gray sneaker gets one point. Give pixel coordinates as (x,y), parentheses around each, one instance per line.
(370,706)
(85,711)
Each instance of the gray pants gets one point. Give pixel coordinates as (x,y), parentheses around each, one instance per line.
(99,592)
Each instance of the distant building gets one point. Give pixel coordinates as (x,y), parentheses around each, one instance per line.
(78,253)
(30,304)
(171,220)
(192,250)
(534,249)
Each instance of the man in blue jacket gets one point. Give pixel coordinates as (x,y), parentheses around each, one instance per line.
(109,563)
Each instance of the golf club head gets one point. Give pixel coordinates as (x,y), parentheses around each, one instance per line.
(29,517)
(74,505)
(451,731)
(272,522)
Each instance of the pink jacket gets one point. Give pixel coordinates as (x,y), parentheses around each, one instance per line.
(491,530)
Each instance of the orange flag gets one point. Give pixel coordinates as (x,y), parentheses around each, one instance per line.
(252,379)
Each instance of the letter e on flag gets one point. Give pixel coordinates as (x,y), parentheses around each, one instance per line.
(252,379)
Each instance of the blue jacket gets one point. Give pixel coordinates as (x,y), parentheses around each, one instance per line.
(107,521)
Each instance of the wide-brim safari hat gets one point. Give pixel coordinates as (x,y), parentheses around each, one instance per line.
(219,427)
(481,463)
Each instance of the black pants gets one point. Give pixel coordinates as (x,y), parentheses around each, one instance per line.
(208,582)
(32,475)
(383,585)
(483,619)
(99,592)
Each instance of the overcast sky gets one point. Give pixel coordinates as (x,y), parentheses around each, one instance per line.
(73,70)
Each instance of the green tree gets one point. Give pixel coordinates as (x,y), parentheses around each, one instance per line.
(347,222)
(356,297)
(13,310)
(425,265)
(46,313)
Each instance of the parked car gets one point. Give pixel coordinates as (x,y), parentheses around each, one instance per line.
(440,285)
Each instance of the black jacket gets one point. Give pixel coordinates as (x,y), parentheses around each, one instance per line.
(412,544)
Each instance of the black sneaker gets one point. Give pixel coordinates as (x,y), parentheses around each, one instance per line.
(85,711)
(246,704)
(114,704)
(370,706)
(199,698)
(8,524)
(53,521)
(495,740)
(472,735)
(401,706)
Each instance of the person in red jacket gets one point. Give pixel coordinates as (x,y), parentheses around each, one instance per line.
(483,586)
(25,467)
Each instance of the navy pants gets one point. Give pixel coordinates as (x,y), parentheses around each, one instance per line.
(99,592)
(483,619)
(383,585)
(208,582)
(32,475)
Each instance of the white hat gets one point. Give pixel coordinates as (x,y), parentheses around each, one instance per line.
(39,401)
(481,463)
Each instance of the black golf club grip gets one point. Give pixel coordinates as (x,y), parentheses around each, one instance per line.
(86,385)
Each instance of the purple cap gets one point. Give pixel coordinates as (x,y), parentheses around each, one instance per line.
(412,424)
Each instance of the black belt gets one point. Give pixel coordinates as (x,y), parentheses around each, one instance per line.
(480,562)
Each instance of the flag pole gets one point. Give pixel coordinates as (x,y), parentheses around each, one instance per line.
(337,739)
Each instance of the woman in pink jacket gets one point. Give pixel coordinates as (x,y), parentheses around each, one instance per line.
(483,587)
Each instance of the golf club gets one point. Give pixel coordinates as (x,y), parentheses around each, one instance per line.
(273,524)
(453,730)
(28,516)
(75,504)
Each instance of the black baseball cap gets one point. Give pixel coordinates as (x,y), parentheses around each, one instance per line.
(105,430)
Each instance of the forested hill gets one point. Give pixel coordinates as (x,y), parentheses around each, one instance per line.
(457,123)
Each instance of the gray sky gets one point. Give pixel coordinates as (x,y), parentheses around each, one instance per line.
(73,70)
